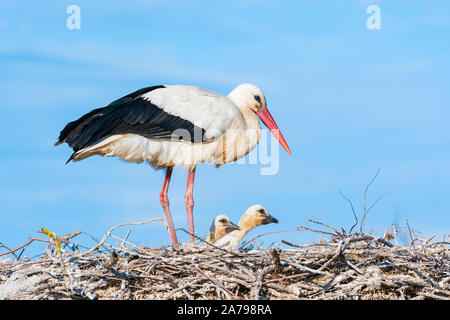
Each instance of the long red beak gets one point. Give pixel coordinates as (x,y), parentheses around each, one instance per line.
(267,118)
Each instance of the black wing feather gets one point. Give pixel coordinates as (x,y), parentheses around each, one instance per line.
(129,114)
(130,97)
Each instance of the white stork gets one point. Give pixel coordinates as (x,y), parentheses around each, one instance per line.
(174,125)
(254,216)
(220,226)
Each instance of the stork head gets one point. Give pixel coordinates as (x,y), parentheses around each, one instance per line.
(221,226)
(250,96)
(255,216)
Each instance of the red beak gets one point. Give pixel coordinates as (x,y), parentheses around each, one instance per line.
(266,117)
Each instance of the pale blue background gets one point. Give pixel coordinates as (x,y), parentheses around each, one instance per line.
(348,100)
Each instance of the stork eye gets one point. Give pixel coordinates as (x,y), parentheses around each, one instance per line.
(223,220)
(261,211)
(257,98)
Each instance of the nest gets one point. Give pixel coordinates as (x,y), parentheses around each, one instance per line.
(343,266)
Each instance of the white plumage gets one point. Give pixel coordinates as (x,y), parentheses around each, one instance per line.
(206,109)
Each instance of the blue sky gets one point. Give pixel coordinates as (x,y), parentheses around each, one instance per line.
(348,100)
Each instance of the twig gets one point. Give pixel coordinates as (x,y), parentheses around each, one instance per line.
(410,234)
(210,244)
(341,247)
(108,233)
(353,209)
(364,198)
(24,245)
(265,234)
(10,251)
(225,290)
(363,220)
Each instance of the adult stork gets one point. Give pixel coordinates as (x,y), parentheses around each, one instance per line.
(174,125)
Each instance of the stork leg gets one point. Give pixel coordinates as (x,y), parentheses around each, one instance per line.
(165,204)
(189,201)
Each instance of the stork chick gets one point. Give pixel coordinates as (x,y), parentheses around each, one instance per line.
(220,226)
(253,217)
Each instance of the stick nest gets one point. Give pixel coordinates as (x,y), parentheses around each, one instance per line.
(345,266)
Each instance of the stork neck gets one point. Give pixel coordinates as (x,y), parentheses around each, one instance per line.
(252,130)
(253,127)
(250,117)
(245,225)
(236,237)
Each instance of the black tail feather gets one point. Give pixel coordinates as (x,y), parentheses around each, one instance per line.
(71,157)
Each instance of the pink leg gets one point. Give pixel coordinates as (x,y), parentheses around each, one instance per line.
(165,204)
(189,201)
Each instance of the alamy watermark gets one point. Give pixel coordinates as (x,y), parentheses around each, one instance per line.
(233,147)
(374,20)
(74,20)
